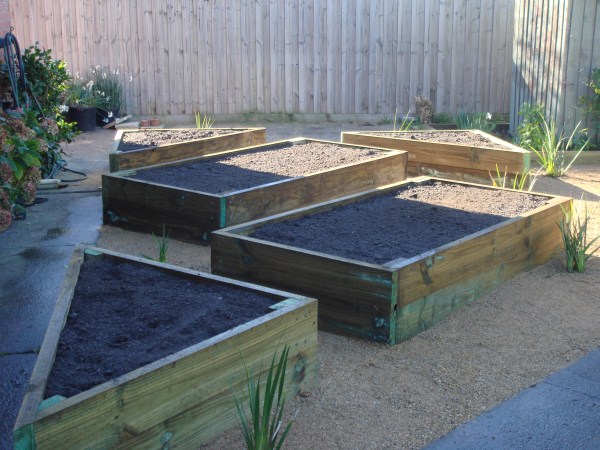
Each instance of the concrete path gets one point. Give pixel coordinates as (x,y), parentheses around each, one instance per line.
(560,412)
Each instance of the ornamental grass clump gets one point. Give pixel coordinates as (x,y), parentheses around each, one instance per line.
(203,122)
(520,182)
(551,155)
(574,230)
(162,245)
(477,121)
(261,427)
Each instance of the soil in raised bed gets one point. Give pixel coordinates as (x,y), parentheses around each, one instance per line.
(251,169)
(140,140)
(125,315)
(449,137)
(402,224)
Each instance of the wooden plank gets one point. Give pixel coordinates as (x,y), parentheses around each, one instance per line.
(190,393)
(182,150)
(437,155)
(286,195)
(45,359)
(454,275)
(136,205)
(362,291)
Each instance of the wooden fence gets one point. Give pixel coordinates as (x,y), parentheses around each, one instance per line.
(556,46)
(285,56)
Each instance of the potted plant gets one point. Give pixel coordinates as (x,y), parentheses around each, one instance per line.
(108,88)
(82,101)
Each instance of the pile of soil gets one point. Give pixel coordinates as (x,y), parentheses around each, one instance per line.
(145,139)
(251,169)
(461,137)
(125,315)
(402,224)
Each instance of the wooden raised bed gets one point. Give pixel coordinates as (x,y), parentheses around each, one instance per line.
(392,301)
(449,160)
(238,138)
(191,215)
(181,401)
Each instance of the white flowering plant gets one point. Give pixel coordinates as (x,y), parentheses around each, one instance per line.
(81,92)
(109,85)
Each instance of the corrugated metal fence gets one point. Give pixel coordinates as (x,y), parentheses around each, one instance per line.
(285,56)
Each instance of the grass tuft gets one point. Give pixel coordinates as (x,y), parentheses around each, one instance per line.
(574,229)
(261,427)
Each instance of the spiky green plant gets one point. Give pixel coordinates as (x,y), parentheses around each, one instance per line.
(574,229)
(406,123)
(520,182)
(261,427)
(551,155)
(477,121)
(203,122)
(162,245)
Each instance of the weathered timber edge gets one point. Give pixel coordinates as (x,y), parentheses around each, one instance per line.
(240,138)
(185,399)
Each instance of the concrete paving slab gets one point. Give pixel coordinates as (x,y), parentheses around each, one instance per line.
(560,412)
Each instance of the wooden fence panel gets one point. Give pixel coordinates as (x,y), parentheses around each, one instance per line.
(556,47)
(288,56)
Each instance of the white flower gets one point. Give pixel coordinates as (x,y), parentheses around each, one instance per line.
(488,116)
(117,72)
(63,108)
(97,67)
(110,114)
(76,74)
(130,77)
(104,75)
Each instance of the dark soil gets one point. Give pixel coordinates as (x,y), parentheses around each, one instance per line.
(402,224)
(461,137)
(139,140)
(125,315)
(251,169)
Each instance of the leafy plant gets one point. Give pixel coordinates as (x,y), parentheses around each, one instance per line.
(551,155)
(574,234)
(406,123)
(162,245)
(530,132)
(477,121)
(261,427)
(47,77)
(81,93)
(203,122)
(108,87)
(520,182)
(441,118)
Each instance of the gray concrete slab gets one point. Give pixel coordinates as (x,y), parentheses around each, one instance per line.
(560,412)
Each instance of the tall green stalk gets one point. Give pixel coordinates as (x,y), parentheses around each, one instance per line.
(261,426)
(574,233)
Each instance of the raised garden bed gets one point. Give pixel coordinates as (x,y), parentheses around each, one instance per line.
(140,148)
(146,355)
(388,263)
(194,197)
(458,155)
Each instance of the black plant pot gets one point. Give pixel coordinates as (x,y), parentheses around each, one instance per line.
(83,116)
(102,116)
